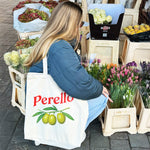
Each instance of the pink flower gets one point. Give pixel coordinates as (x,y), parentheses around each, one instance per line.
(131,82)
(107,84)
(109,79)
(136,77)
(122,74)
(132,74)
(122,67)
(118,75)
(126,73)
(136,81)
(130,79)
(98,61)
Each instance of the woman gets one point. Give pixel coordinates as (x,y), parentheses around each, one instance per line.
(63,62)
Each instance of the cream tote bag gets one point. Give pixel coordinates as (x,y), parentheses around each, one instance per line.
(53,117)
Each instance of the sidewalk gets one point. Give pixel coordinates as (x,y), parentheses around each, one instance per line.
(12,121)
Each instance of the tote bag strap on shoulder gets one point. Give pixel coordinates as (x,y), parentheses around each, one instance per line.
(45,66)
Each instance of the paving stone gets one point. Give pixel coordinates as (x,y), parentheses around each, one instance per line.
(84,145)
(97,140)
(119,145)
(102,149)
(119,136)
(139,140)
(95,127)
(4,141)
(7,128)
(140,149)
(13,115)
(27,146)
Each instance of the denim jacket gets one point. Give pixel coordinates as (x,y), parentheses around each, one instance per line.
(65,68)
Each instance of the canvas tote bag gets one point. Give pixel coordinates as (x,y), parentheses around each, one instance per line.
(53,117)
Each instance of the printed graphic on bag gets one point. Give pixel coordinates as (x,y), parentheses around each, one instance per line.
(48,115)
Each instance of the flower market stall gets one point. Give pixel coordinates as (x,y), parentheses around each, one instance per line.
(127,77)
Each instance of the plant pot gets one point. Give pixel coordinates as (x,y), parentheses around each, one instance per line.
(18,89)
(119,120)
(143,125)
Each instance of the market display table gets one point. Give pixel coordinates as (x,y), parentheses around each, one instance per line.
(135,51)
(106,50)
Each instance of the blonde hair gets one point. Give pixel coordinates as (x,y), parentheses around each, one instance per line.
(63,24)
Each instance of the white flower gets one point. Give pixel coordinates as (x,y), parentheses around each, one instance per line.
(15,59)
(24,57)
(108,18)
(7,58)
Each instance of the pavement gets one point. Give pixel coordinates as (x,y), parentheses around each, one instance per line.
(12,121)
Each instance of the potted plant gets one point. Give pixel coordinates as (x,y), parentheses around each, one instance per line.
(17,73)
(122,83)
(143,99)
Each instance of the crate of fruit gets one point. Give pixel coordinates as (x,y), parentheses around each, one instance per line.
(138,33)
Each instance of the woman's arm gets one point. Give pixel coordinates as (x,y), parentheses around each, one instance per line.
(69,74)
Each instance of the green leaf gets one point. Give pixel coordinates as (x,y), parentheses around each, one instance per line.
(40,117)
(54,107)
(67,115)
(50,108)
(38,113)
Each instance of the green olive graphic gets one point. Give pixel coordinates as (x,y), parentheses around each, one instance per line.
(52,119)
(61,118)
(45,118)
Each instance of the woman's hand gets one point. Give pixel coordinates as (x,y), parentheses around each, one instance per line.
(106,93)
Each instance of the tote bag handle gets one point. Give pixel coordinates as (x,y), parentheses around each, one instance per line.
(45,70)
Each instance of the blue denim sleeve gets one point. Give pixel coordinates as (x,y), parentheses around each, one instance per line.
(69,74)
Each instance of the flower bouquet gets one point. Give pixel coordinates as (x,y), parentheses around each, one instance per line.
(121,81)
(16,60)
(143,99)
(145,83)
(100,16)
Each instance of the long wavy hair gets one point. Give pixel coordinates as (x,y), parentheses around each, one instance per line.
(62,25)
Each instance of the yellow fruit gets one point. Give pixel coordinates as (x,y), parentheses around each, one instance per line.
(45,118)
(136,26)
(143,29)
(52,119)
(147,26)
(133,32)
(130,27)
(61,118)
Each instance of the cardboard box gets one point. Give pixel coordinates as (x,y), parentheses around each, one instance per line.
(110,31)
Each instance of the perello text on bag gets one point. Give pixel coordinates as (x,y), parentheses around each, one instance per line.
(63,98)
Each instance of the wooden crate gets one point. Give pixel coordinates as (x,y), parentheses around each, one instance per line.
(131,15)
(18,89)
(135,51)
(119,120)
(143,124)
(122,38)
(26,35)
(106,50)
